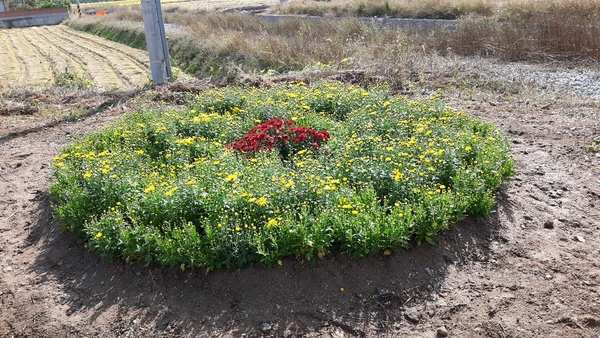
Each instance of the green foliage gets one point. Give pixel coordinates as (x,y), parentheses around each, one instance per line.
(70,80)
(31,4)
(162,185)
(594,146)
(130,34)
(50,3)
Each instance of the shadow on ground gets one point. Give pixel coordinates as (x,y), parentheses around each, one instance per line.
(364,295)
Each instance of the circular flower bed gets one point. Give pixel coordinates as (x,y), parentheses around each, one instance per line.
(248,175)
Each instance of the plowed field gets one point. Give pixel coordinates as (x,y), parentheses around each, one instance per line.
(34,56)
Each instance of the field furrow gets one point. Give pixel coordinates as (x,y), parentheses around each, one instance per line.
(12,68)
(136,56)
(90,63)
(34,68)
(33,56)
(59,59)
(130,72)
(104,73)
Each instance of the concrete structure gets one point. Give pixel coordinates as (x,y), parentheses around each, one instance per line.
(156,40)
(33,17)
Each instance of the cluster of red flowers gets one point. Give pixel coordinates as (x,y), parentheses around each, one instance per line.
(279,134)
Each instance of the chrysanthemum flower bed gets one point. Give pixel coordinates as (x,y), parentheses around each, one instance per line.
(175,186)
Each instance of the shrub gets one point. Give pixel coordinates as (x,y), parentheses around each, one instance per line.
(163,185)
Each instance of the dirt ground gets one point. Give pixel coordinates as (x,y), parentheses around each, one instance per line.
(531,270)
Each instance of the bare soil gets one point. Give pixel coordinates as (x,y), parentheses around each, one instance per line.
(531,270)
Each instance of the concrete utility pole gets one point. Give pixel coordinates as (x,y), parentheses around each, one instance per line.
(156,39)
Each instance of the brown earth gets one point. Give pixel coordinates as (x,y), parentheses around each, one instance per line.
(531,270)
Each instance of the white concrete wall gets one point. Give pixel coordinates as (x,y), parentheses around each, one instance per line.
(40,17)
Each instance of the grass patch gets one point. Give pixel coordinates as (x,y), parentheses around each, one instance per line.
(512,30)
(423,9)
(594,146)
(213,44)
(498,10)
(165,186)
(95,3)
(33,4)
(69,80)
(129,31)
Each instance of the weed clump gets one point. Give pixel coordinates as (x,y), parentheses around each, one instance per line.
(70,80)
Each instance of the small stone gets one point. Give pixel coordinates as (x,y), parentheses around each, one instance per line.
(431,313)
(441,303)
(528,218)
(549,224)
(265,328)
(381,292)
(385,297)
(442,332)
(580,238)
(412,314)
(428,271)
(8,269)
(548,276)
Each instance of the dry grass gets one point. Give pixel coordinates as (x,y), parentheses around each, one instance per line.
(209,43)
(501,10)
(552,30)
(512,30)
(292,44)
(506,29)
(221,45)
(433,9)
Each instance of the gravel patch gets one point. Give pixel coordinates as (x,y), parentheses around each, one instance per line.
(554,81)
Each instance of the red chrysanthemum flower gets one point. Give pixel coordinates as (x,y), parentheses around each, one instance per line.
(276,134)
